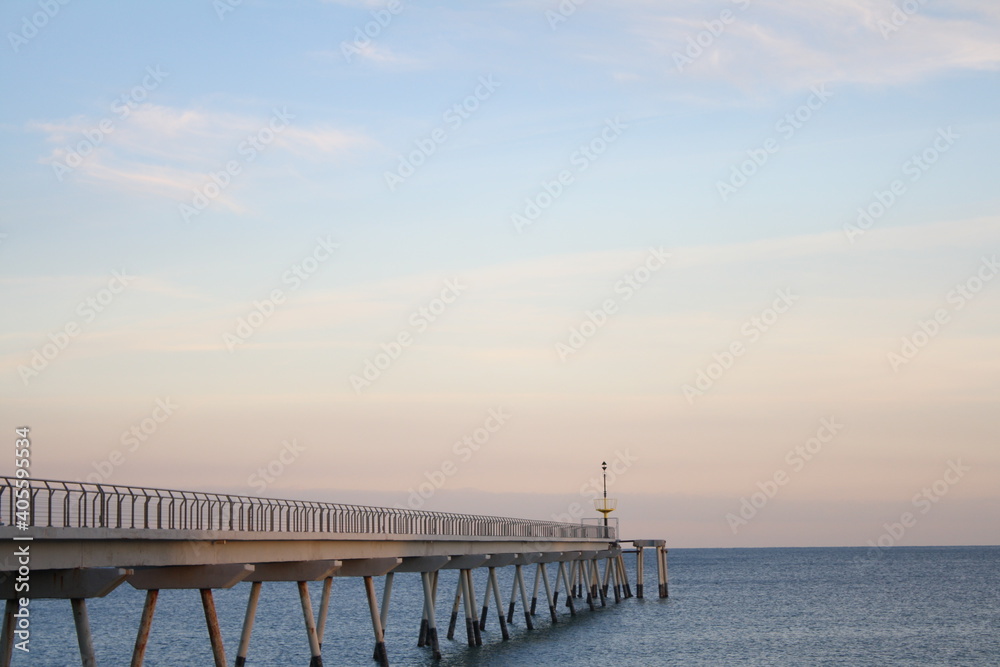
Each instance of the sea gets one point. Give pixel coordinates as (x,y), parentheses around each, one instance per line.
(782,606)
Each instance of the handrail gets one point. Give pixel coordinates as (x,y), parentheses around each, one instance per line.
(61,504)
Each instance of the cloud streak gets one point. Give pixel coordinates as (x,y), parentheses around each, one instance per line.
(164,151)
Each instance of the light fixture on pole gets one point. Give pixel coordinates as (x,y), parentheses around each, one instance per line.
(605,505)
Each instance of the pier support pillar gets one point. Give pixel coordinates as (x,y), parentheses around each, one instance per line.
(615,580)
(548,592)
(315,657)
(569,591)
(661,562)
(455,606)
(384,614)
(7,637)
(324,610)
(623,575)
(586,578)
(486,603)
(638,571)
(429,580)
(83,636)
(598,590)
(534,588)
(145,622)
(519,577)
(383,658)
(248,619)
(513,598)
(214,632)
(475,619)
(469,606)
(496,597)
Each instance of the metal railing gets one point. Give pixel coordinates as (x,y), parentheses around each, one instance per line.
(58,504)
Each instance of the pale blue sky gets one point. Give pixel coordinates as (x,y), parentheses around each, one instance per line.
(656,185)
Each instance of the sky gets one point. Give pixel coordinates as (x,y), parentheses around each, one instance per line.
(452,256)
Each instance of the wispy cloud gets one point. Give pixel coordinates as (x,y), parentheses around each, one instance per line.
(166,151)
(794,43)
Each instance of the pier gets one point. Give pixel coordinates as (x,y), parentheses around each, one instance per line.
(80,541)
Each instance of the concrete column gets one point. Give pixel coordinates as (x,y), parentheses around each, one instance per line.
(496,596)
(384,614)
(422,637)
(566,580)
(475,619)
(599,591)
(429,603)
(83,636)
(386,595)
(662,562)
(468,606)
(519,576)
(534,588)
(615,580)
(486,602)
(639,571)
(623,573)
(383,658)
(555,588)
(316,658)
(586,578)
(455,606)
(142,637)
(7,637)
(214,632)
(513,598)
(248,619)
(548,592)
(606,582)
(324,610)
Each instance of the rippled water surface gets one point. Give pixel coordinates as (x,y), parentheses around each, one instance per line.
(904,606)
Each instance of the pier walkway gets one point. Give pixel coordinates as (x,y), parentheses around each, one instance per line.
(76,541)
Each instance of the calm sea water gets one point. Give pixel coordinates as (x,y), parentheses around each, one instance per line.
(900,606)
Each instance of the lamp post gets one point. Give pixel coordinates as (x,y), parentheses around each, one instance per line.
(604,471)
(605,505)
